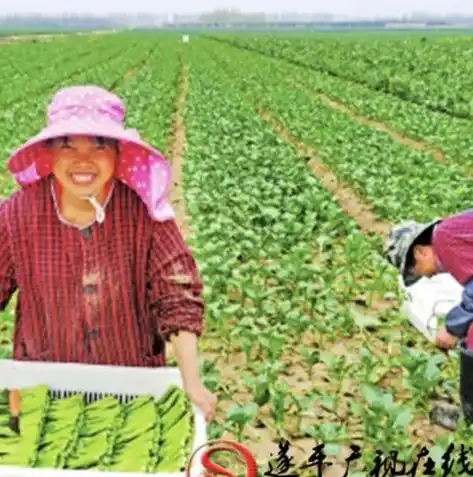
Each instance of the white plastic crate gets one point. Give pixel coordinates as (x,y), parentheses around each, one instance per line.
(93,380)
(428,299)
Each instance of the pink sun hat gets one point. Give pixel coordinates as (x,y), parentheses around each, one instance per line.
(93,111)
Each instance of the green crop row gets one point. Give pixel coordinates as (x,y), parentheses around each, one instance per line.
(451,135)
(144,435)
(378,168)
(433,71)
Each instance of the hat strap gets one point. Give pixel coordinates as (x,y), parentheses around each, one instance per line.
(99,210)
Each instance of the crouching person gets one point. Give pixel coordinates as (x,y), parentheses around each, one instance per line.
(443,246)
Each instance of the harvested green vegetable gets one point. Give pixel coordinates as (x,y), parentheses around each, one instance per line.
(177,444)
(144,435)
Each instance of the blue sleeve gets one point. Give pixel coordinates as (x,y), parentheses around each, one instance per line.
(460,317)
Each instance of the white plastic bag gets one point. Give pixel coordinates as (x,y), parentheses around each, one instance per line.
(428,299)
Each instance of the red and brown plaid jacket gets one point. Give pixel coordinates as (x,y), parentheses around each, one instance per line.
(110,293)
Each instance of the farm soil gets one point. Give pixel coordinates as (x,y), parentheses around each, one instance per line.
(46,37)
(134,70)
(130,73)
(176,152)
(25,38)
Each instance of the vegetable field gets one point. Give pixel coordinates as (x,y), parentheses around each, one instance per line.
(292,155)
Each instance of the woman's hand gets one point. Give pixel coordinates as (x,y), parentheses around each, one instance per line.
(445,340)
(203,399)
(185,346)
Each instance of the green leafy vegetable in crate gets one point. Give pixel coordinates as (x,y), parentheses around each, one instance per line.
(143,435)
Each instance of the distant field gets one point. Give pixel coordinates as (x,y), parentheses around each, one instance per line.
(300,151)
(33,32)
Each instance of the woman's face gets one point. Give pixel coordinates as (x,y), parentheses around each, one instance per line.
(83,165)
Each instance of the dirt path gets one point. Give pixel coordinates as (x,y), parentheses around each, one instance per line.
(349,201)
(176,152)
(25,38)
(47,37)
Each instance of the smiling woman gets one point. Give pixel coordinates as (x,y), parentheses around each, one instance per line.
(84,167)
(91,243)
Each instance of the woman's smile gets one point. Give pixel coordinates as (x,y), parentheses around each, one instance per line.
(82,178)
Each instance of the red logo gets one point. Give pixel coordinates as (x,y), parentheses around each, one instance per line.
(211,469)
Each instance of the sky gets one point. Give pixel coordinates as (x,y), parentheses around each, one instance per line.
(338,7)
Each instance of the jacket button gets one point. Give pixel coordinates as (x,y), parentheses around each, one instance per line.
(89,289)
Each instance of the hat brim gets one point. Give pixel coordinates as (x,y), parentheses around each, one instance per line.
(408,278)
(24,156)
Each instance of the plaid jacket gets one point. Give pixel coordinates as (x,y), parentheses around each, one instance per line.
(109,293)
